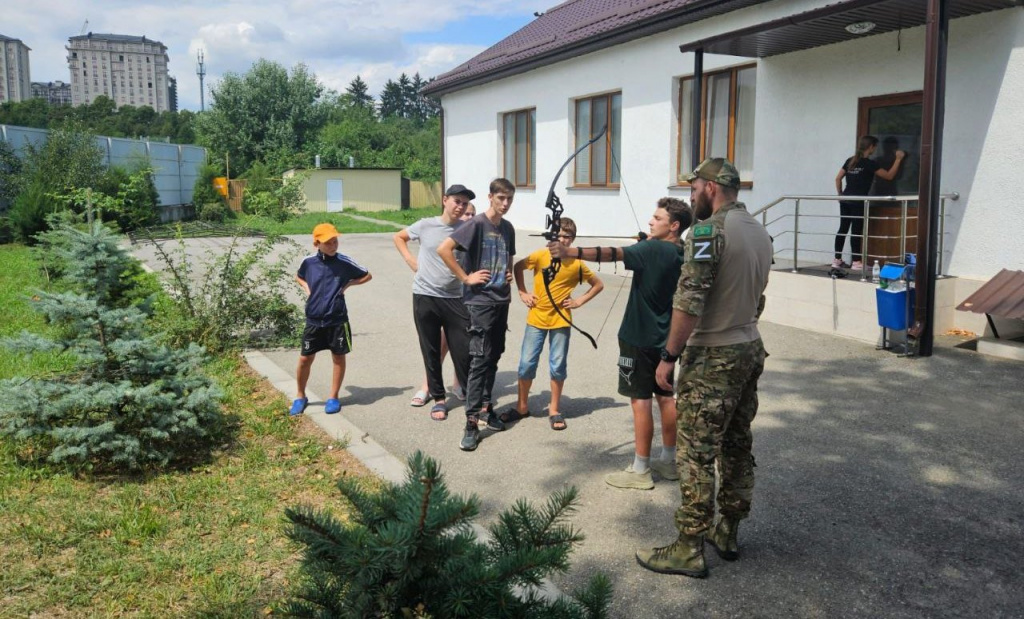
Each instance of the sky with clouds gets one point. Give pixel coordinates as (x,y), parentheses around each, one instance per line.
(338,39)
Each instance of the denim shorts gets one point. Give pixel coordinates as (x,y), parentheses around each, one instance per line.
(533,343)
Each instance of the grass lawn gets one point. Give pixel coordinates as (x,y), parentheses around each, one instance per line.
(304,224)
(20,278)
(405,217)
(204,542)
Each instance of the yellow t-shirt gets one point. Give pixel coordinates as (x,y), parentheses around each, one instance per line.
(573,273)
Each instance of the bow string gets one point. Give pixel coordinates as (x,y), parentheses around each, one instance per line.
(554,226)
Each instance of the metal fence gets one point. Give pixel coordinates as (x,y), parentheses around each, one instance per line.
(175,166)
(793,237)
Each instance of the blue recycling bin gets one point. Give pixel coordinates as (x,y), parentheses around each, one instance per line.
(895,307)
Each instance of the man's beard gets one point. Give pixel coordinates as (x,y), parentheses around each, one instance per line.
(702,208)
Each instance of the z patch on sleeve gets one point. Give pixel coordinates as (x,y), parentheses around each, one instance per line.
(703,243)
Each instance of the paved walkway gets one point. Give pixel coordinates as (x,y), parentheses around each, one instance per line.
(887,487)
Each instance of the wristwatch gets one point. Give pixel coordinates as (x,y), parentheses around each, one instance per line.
(666,356)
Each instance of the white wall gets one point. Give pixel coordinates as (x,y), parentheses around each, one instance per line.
(811,99)
(806,123)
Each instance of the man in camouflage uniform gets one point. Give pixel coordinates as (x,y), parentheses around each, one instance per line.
(715,310)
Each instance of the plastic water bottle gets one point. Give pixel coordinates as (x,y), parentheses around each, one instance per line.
(876,273)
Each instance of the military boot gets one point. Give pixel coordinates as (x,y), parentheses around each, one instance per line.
(723,538)
(685,556)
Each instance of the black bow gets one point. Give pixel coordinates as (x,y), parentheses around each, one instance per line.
(554,226)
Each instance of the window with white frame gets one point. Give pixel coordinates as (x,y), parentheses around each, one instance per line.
(727,120)
(598,165)
(519,140)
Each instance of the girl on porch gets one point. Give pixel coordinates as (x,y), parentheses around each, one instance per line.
(859,171)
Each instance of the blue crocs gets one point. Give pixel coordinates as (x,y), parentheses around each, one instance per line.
(332,406)
(298,406)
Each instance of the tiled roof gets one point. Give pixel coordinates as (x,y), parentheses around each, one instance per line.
(574,28)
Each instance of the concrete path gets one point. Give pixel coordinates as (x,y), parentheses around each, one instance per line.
(887,487)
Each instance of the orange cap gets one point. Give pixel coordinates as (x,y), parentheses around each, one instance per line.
(324,232)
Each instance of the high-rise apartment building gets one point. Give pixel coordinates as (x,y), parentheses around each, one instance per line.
(15,81)
(172,94)
(130,70)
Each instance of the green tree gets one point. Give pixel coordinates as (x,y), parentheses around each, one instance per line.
(69,160)
(131,403)
(359,93)
(409,551)
(10,176)
(31,113)
(264,115)
(392,100)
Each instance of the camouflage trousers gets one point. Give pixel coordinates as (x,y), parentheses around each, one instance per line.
(715,404)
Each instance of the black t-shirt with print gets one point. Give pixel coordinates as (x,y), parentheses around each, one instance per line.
(859,176)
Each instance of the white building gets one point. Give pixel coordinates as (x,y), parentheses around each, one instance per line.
(15,78)
(789,85)
(55,93)
(131,70)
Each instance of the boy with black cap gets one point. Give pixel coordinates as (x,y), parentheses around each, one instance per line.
(324,277)
(438,310)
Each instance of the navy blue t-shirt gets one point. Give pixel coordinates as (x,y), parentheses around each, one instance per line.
(326,277)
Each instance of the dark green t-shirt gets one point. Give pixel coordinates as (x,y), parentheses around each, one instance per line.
(655,265)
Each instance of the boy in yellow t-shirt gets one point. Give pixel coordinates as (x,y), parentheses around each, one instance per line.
(544,322)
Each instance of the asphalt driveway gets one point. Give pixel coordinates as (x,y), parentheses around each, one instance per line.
(887,487)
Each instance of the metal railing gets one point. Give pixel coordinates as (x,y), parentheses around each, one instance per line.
(903,201)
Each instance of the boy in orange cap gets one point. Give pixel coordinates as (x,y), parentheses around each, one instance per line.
(324,277)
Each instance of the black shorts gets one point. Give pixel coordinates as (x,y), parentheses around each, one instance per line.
(636,372)
(336,338)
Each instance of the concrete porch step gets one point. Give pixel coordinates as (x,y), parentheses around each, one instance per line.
(810,299)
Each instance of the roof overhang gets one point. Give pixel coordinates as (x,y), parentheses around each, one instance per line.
(827,25)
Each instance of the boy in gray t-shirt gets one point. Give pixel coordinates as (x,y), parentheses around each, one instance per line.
(438,311)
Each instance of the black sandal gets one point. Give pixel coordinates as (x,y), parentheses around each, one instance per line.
(439,411)
(553,419)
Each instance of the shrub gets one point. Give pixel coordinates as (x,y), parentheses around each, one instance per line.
(410,551)
(10,176)
(29,212)
(215,212)
(131,403)
(203,191)
(234,299)
(137,200)
(283,200)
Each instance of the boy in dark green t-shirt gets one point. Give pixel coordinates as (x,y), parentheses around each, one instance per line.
(655,263)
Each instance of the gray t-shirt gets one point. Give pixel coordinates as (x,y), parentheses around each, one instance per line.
(433,278)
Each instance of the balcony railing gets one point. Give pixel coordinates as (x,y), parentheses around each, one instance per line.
(787,225)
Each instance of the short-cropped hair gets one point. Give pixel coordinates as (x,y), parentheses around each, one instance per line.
(678,211)
(502,185)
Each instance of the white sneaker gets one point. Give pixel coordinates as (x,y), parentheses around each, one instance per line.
(857,266)
(667,470)
(630,479)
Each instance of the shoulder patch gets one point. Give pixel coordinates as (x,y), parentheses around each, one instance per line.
(703,231)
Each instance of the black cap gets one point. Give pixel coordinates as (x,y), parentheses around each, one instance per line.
(456,190)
